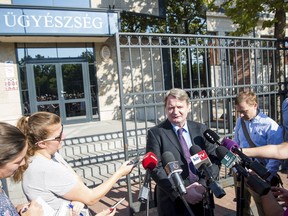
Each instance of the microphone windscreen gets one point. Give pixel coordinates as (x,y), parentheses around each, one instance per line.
(221,151)
(149,161)
(211,136)
(229,144)
(167,157)
(194,150)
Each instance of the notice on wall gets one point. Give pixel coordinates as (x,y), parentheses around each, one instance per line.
(9,69)
(11,84)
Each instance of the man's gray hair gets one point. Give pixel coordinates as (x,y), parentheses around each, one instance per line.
(179,94)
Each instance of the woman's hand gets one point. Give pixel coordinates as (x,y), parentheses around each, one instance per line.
(31,209)
(125,168)
(22,206)
(76,209)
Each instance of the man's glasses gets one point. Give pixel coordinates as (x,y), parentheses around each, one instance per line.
(58,138)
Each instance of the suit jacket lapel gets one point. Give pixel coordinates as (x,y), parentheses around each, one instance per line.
(172,136)
(191,127)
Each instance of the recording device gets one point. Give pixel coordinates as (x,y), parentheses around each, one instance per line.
(229,144)
(250,164)
(257,184)
(199,157)
(135,161)
(212,137)
(202,162)
(116,204)
(258,168)
(173,170)
(149,162)
(229,159)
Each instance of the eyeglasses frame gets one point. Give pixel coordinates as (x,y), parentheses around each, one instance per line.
(58,138)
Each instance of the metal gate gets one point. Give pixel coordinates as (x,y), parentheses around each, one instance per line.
(212,69)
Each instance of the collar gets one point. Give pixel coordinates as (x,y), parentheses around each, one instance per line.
(185,127)
(257,117)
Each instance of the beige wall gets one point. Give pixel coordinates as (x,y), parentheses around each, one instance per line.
(107,78)
(5,1)
(106,70)
(10,108)
(148,6)
(141,78)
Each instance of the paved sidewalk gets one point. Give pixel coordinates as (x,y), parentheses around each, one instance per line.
(223,207)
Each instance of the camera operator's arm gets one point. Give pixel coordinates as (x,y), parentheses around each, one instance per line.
(269,151)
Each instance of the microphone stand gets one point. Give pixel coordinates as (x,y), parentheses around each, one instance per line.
(240,194)
(148,200)
(186,205)
(208,202)
(145,193)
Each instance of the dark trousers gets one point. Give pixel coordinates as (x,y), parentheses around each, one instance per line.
(177,208)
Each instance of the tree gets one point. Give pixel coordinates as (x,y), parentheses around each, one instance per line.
(183,17)
(178,17)
(248,14)
(137,22)
(186,17)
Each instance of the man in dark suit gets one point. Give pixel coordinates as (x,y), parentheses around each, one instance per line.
(162,138)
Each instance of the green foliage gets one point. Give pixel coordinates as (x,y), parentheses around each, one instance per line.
(183,17)
(248,14)
(135,22)
(186,17)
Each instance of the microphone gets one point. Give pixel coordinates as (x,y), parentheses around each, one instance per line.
(229,144)
(253,165)
(149,162)
(202,162)
(211,136)
(199,157)
(257,184)
(173,170)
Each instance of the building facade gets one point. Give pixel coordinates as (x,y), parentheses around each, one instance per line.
(59,56)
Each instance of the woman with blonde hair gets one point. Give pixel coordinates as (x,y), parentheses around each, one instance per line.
(12,156)
(48,175)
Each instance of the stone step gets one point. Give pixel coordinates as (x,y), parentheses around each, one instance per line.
(96,158)
(96,174)
(98,146)
(104,137)
(80,155)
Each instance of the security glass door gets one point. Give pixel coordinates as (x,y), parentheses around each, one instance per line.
(60,88)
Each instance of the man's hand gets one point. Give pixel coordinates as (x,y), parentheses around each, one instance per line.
(194,193)
(281,194)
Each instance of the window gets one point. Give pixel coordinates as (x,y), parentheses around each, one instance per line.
(55,3)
